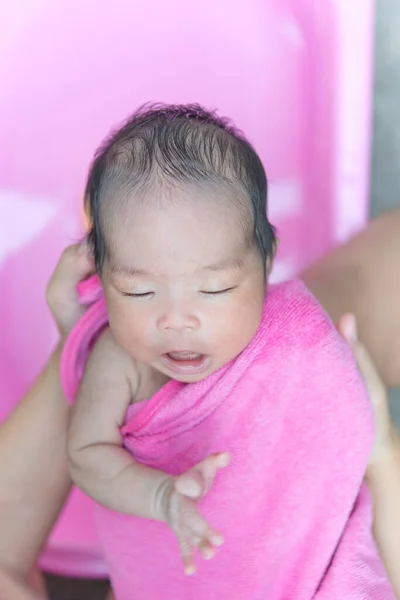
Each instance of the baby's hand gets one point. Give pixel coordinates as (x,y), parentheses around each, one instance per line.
(182,514)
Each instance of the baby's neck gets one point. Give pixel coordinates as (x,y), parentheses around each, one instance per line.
(150,381)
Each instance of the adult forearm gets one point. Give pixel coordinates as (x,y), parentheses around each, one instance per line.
(34,480)
(362,277)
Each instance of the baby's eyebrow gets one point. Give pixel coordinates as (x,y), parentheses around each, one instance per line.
(127,271)
(225,265)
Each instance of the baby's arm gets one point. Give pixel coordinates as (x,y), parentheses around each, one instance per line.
(99,464)
(104,470)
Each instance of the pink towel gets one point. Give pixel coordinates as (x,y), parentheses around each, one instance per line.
(294,414)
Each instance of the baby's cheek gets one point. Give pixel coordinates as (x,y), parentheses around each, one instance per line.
(129,328)
(240,323)
(245,312)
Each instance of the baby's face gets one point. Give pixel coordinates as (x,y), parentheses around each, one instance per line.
(184,291)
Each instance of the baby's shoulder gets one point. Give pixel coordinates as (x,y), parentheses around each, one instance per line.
(108,357)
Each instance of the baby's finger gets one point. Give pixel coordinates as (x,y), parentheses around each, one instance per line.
(197,481)
(187,552)
(206,550)
(190,484)
(207,469)
(198,527)
(209,466)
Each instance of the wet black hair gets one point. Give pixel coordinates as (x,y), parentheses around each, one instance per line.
(176,144)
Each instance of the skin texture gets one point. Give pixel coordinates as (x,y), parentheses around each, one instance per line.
(179,278)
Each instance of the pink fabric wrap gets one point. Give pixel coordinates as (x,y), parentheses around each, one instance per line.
(294,414)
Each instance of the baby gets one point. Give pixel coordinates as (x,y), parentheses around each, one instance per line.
(203,365)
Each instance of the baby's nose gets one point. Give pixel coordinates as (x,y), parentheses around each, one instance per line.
(177,319)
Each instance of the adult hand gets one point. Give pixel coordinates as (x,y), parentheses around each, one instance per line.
(383,424)
(76,263)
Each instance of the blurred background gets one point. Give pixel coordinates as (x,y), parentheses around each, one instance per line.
(385,171)
(295,75)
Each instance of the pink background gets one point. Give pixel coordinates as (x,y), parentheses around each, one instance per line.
(295,75)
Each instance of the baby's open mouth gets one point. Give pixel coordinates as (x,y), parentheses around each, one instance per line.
(186,361)
(184,356)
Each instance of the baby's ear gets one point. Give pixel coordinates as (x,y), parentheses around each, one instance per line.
(271,258)
(269,265)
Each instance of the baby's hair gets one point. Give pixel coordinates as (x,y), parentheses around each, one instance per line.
(178,145)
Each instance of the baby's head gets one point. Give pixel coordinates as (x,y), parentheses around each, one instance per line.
(182,243)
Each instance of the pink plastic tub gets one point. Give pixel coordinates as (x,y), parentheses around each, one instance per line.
(295,75)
